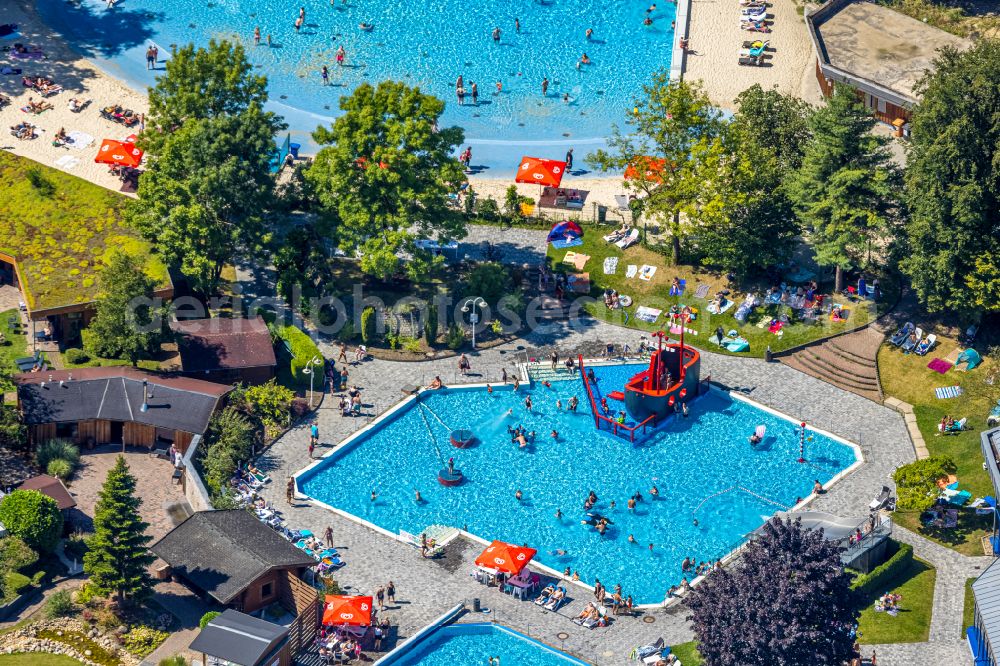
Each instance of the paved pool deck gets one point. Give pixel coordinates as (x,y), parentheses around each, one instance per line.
(429,587)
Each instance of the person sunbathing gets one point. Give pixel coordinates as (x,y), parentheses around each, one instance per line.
(61,135)
(76,106)
(546,593)
(590,612)
(436,383)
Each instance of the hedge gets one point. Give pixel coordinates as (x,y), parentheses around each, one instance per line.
(877,580)
(303,350)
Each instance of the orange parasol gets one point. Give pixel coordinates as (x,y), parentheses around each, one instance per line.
(505,557)
(538,171)
(339,609)
(118,152)
(646,168)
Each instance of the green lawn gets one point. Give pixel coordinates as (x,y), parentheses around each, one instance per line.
(16,347)
(37,659)
(653,293)
(686,652)
(906,376)
(913,623)
(968,608)
(61,230)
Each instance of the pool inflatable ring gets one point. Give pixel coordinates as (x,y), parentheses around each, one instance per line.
(450,478)
(625,301)
(462,439)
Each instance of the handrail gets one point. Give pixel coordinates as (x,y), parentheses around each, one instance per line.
(598,417)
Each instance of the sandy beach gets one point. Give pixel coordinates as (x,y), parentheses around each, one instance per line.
(79,79)
(715,40)
(715,37)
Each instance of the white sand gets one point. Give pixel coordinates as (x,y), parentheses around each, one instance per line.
(80,79)
(602,191)
(715,42)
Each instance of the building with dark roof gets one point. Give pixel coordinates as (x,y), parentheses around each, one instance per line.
(226,350)
(242,640)
(984,633)
(116,405)
(52,487)
(238,561)
(879,52)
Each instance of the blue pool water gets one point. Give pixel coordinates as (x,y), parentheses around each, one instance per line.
(424,43)
(466,644)
(689,459)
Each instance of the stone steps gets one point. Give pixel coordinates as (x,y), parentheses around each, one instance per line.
(803,364)
(848,370)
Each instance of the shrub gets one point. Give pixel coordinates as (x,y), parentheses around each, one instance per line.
(59,468)
(369,327)
(302,349)
(33,517)
(489,280)
(15,582)
(456,337)
(57,449)
(75,356)
(877,580)
(75,546)
(230,440)
(176,660)
(346,332)
(87,595)
(270,402)
(487,209)
(409,344)
(59,604)
(207,617)
(496,326)
(512,203)
(40,183)
(107,620)
(142,640)
(916,483)
(431,324)
(15,554)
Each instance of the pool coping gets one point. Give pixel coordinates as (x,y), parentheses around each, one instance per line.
(392,412)
(450,618)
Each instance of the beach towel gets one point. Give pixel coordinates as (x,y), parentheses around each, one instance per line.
(79,140)
(648,315)
(579,284)
(701,291)
(564,243)
(948,392)
(939,365)
(578,260)
(715,309)
(67,162)
(676,330)
(647,272)
(631,270)
(610,265)
(679,289)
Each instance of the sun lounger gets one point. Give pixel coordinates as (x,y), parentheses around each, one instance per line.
(647,272)
(29,362)
(602,615)
(631,270)
(629,240)
(911,341)
(644,651)
(621,201)
(899,337)
(925,345)
(880,500)
(556,601)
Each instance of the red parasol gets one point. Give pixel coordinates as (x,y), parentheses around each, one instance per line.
(538,171)
(505,557)
(646,168)
(339,609)
(119,153)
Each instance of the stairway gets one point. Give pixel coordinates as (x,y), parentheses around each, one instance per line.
(848,362)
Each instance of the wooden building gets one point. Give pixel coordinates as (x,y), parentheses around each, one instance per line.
(243,640)
(226,350)
(116,406)
(879,52)
(232,558)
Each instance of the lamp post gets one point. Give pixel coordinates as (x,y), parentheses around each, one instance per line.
(474,317)
(310,370)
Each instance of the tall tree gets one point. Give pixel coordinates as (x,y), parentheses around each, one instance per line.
(844,188)
(953,183)
(204,195)
(386,169)
(126,325)
(117,557)
(776,121)
(667,123)
(203,83)
(786,600)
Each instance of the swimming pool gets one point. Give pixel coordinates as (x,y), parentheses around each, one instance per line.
(422,43)
(475,643)
(703,466)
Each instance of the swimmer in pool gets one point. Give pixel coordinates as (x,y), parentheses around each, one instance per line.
(374,495)
(590,33)
(631,539)
(755,439)
(558,404)
(554,434)
(654,491)
(489,389)
(518,495)
(521,441)
(365,26)
(558,513)
(416,497)
(585,59)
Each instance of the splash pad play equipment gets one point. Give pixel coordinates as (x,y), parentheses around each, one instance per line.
(672,378)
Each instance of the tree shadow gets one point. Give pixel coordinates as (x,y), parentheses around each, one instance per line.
(95,32)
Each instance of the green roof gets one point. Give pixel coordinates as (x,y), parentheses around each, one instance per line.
(62,230)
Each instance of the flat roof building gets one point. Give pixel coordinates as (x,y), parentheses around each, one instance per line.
(877,51)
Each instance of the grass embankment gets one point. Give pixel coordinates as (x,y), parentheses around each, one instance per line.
(915,585)
(38,659)
(654,294)
(15,347)
(907,377)
(62,230)
(968,608)
(687,653)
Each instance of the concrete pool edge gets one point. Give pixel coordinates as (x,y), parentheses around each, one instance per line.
(449,620)
(396,410)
